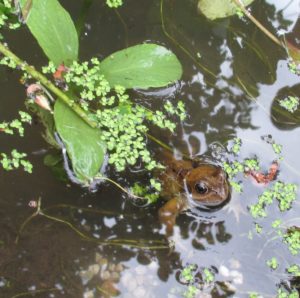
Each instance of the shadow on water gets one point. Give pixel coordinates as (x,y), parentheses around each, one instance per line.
(232,73)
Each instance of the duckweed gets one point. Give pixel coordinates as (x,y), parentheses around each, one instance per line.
(121,121)
(290,103)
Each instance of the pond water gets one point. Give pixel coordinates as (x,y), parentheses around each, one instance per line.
(232,74)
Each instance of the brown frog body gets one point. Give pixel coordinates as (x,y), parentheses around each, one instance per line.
(186,184)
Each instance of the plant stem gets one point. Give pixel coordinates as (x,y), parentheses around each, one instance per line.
(162,144)
(46,83)
(258,24)
(30,293)
(151,244)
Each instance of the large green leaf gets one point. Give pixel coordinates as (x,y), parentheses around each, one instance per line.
(54,30)
(142,66)
(83,143)
(214,9)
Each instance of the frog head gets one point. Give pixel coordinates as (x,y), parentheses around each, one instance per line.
(207,185)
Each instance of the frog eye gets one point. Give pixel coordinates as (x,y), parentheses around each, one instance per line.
(201,188)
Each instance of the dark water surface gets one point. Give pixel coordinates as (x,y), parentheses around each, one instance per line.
(228,92)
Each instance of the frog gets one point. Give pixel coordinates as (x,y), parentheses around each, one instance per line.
(191,183)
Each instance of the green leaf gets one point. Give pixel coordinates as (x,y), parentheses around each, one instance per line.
(54,30)
(83,143)
(214,9)
(142,66)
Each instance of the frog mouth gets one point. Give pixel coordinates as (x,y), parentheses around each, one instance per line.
(207,205)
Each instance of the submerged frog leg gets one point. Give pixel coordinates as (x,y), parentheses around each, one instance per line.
(169,212)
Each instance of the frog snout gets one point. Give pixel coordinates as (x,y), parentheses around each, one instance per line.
(222,175)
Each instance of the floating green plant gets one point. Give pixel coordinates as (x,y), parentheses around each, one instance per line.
(114,3)
(292,239)
(188,272)
(290,103)
(284,193)
(273,263)
(15,161)
(282,293)
(294,270)
(16,124)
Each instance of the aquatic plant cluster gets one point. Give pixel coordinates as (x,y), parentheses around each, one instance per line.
(150,192)
(285,193)
(282,192)
(8,15)
(121,121)
(195,279)
(17,159)
(114,3)
(294,67)
(292,239)
(248,165)
(16,124)
(290,103)
(198,281)
(202,281)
